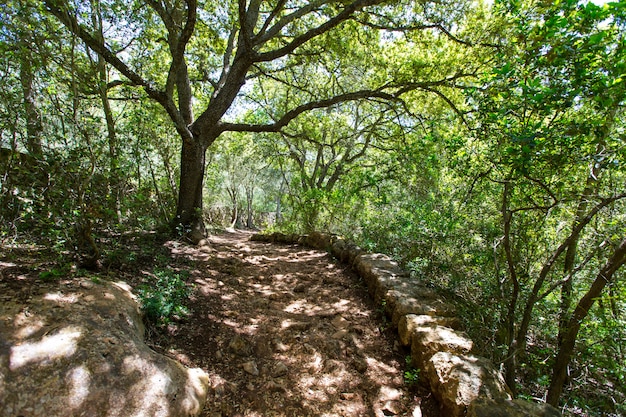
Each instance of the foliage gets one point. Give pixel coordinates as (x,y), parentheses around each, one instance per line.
(54,274)
(481,145)
(164,296)
(411,374)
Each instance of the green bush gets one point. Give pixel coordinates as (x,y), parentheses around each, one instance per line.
(163,298)
(411,374)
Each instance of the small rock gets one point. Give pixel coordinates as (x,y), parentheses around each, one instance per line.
(300,288)
(349,396)
(280,369)
(280,346)
(239,346)
(340,323)
(86,284)
(273,386)
(392,408)
(340,334)
(360,364)
(251,368)
(263,347)
(220,390)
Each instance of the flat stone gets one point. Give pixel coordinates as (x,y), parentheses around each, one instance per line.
(340,323)
(280,369)
(340,334)
(403,305)
(377,270)
(428,340)
(251,368)
(408,323)
(457,381)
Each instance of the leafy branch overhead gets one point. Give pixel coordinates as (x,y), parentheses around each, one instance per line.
(479,143)
(248,35)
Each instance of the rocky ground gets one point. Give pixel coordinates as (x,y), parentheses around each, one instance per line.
(281,331)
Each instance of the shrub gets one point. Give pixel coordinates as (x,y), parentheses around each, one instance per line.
(163,298)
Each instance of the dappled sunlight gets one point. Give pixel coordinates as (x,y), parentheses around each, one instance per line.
(284,331)
(75,347)
(27,325)
(78,381)
(315,363)
(59,297)
(261,259)
(264,290)
(342,305)
(208,287)
(153,387)
(61,344)
(290,335)
(379,368)
(298,306)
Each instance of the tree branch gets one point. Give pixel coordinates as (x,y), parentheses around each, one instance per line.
(279,5)
(438,26)
(449,102)
(344,15)
(61,11)
(263,35)
(292,114)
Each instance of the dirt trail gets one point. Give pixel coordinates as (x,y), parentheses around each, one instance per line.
(286,331)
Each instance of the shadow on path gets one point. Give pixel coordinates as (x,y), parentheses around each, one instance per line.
(286,331)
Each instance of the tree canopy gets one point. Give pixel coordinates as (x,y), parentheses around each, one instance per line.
(479,143)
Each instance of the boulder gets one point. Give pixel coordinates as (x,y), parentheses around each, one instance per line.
(457,381)
(511,408)
(428,340)
(351,253)
(77,348)
(338,248)
(411,298)
(407,324)
(317,240)
(379,272)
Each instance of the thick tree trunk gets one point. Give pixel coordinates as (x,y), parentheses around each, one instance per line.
(234,213)
(114,179)
(566,350)
(249,200)
(34,125)
(189,220)
(510,362)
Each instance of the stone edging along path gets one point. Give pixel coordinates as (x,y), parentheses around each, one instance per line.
(464,383)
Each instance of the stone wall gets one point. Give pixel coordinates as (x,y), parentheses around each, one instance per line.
(464,383)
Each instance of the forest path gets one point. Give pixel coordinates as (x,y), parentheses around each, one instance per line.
(286,331)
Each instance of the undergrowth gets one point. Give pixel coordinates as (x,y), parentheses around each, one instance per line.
(164,296)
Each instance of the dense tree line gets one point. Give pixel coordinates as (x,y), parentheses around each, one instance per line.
(482,145)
